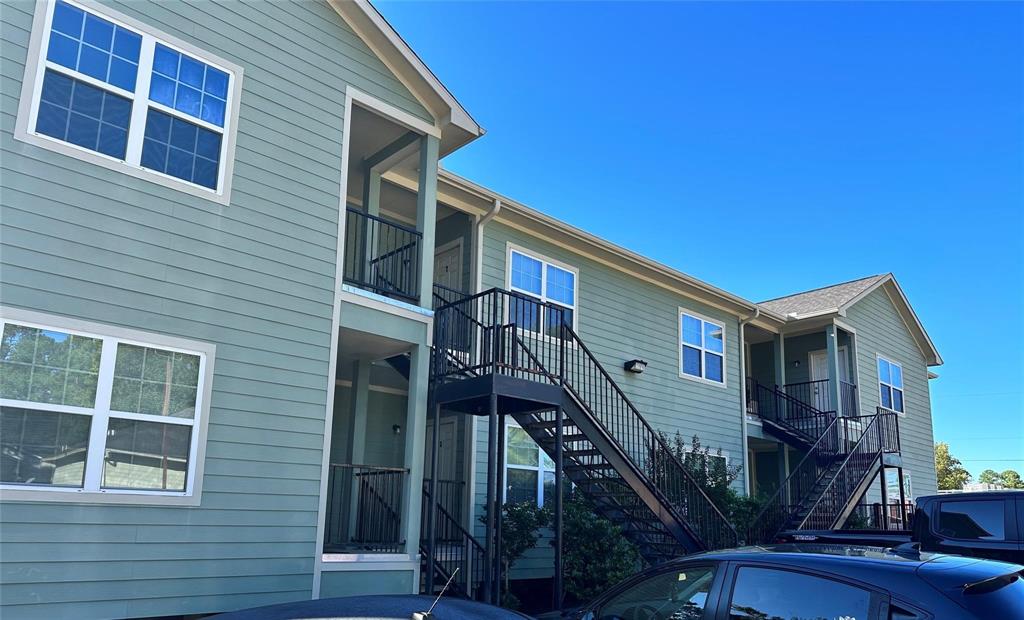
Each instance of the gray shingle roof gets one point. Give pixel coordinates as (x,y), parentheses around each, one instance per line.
(820,299)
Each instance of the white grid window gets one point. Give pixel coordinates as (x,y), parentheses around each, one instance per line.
(91,412)
(529,472)
(120,94)
(549,284)
(701,348)
(890,385)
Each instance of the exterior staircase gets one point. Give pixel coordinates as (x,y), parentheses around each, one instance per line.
(610,451)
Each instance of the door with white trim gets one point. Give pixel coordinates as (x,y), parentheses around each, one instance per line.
(448,267)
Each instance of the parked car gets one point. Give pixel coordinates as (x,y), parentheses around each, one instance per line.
(816,581)
(381,606)
(982,525)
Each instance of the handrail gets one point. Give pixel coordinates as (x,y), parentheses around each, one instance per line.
(793,414)
(468,555)
(384,220)
(856,455)
(393,252)
(784,500)
(653,441)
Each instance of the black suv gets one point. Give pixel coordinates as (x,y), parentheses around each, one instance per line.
(817,581)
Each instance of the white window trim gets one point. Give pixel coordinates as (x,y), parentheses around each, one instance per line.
(703,366)
(32,84)
(902,388)
(539,468)
(711,454)
(112,335)
(543,297)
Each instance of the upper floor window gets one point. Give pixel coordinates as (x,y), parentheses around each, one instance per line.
(547,282)
(701,348)
(90,411)
(890,384)
(112,91)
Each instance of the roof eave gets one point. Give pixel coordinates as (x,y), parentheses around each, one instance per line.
(457,126)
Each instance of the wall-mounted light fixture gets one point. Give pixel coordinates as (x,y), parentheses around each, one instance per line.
(636,366)
(396,428)
(796,363)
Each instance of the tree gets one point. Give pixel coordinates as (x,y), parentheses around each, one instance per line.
(1012,479)
(520,530)
(596,555)
(948,469)
(990,476)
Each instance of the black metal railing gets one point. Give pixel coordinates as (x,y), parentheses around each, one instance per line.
(778,509)
(878,434)
(382,256)
(849,403)
(364,509)
(791,413)
(813,393)
(457,550)
(875,516)
(450,498)
(444,295)
(508,333)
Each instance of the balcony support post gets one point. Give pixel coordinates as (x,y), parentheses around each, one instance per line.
(357,433)
(415,439)
(426,215)
(779,349)
(832,351)
(556,590)
(903,499)
(492,502)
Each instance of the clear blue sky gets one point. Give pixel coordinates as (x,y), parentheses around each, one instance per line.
(771,148)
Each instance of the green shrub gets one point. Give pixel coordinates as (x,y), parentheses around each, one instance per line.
(595,554)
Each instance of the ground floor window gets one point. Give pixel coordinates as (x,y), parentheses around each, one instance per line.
(529,472)
(89,408)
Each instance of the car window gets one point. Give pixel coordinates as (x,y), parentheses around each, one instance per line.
(673,595)
(973,520)
(767,593)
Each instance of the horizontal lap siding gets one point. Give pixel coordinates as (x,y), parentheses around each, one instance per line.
(881,331)
(620,318)
(255,278)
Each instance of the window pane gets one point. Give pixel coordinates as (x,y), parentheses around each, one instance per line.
(691,330)
(94,46)
(896,373)
(75,112)
(897,400)
(154,381)
(713,338)
(49,366)
(676,595)
(521,448)
(973,520)
(561,285)
(181,149)
(524,313)
(526,274)
(766,593)
(549,488)
(521,485)
(146,455)
(43,447)
(691,361)
(188,85)
(885,392)
(713,368)
(883,371)
(553,318)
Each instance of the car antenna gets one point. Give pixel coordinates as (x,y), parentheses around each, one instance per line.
(426,615)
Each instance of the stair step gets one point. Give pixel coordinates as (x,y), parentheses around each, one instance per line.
(588,452)
(549,424)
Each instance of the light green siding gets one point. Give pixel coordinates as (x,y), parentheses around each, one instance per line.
(881,331)
(620,318)
(381,445)
(348,583)
(256,278)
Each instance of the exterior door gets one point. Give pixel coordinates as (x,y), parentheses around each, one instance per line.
(448,267)
(818,361)
(446,453)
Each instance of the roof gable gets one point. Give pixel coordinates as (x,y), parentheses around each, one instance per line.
(457,126)
(838,298)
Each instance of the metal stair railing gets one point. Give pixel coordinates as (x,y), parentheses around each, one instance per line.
(880,434)
(791,413)
(461,552)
